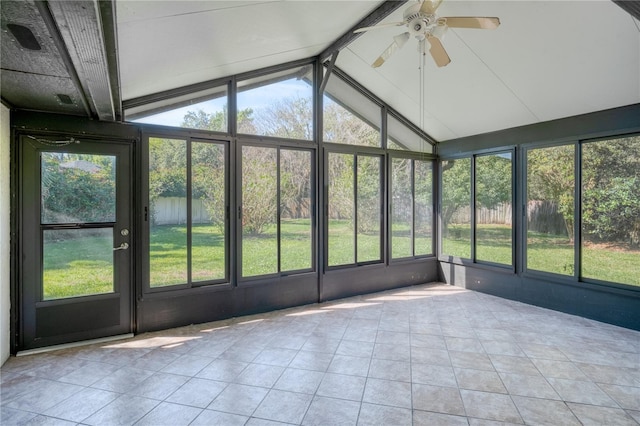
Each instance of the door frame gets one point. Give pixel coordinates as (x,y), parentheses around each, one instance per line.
(27,227)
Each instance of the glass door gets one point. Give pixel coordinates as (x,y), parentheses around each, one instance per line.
(75,241)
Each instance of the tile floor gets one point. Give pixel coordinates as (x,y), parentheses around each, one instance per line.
(423,355)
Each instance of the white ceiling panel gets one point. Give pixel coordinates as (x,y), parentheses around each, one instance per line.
(548,59)
(165,44)
(576,57)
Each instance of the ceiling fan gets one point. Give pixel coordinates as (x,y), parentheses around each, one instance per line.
(428,28)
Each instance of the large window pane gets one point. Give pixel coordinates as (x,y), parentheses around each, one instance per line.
(369,208)
(259,211)
(77,262)
(167,212)
(494,208)
(456,207)
(78,188)
(279,104)
(401,137)
(295,210)
(611,210)
(341,209)
(401,208)
(423,207)
(208,211)
(550,201)
(206,110)
(349,117)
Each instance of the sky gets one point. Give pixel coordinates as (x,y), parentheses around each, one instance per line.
(257,99)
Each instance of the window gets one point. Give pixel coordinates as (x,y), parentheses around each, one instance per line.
(456,207)
(355,205)
(259,206)
(401,137)
(411,207)
(423,209)
(187,212)
(276,210)
(205,110)
(77,217)
(494,208)
(550,209)
(341,123)
(610,211)
(278,105)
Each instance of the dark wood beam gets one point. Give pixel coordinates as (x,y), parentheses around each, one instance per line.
(632,7)
(381,12)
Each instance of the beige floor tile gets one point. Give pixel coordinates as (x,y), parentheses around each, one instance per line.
(480,380)
(351,365)
(168,414)
(490,406)
(626,396)
(197,392)
(381,415)
(283,406)
(436,375)
(426,418)
(125,410)
(387,392)
(329,411)
(437,399)
(430,354)
(211,417)
(342,386)
(478,361)
(545,412)
(591,415)
(532,386)
(239,399)
(390,370)
(581,392)
(82,405)
(297,380)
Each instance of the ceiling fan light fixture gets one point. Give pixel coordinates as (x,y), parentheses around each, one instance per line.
(439,31)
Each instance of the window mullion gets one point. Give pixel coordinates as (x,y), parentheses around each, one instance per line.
(355,209)
(189,200)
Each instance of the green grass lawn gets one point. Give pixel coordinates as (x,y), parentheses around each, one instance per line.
(548,253)
(79,264)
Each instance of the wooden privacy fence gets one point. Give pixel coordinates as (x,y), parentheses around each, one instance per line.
(542,216)
(173,211)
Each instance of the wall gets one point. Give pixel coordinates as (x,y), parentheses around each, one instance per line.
(5,304)
(619,306)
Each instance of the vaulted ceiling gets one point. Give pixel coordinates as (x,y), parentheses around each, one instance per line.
(547,60)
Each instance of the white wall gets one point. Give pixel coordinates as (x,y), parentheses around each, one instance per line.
(5,301)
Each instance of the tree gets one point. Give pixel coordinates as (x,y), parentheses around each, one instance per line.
(456,189)
(218,121)
(550,178)
(295,183)
(290,118)
(610,186)
(78,188)
(493,180)
(342,126)
(259,189)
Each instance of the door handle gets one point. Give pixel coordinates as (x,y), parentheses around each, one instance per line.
(123,246)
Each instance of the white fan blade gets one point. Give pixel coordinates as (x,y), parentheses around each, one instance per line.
(479,22)
(377,27)
(437,51)
(429,6)
(398,41)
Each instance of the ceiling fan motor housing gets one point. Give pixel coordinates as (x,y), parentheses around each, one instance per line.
(417,22)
